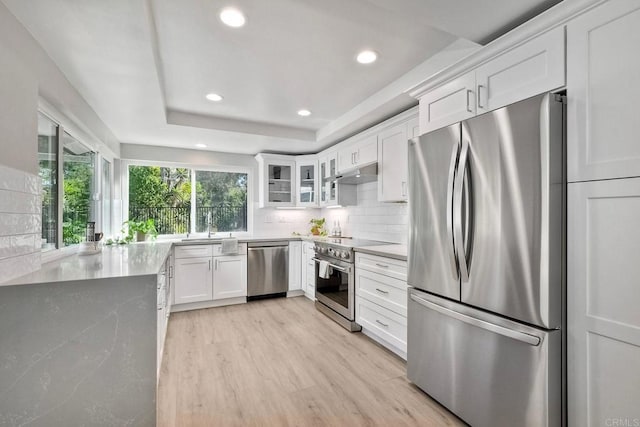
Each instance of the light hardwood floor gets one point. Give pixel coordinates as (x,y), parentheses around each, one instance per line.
(280,362)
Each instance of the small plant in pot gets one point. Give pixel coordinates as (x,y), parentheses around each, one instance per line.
(317,227)
(140,231)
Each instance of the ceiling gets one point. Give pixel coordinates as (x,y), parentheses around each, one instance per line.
(145,66)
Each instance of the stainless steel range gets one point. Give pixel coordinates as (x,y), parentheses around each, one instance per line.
(335,279)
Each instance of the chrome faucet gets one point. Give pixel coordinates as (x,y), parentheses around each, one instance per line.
(209,223)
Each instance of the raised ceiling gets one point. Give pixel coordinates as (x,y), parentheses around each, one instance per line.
(145,66)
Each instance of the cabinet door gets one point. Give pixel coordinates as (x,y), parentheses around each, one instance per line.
(603,66)
(347,159)
(193,280)
(295,265)
(309,269)
(280,184)
(603,249)
(527,70)
(392,164)
(367,151)
(449,103)
(307,183)
(230,277)
(323,172)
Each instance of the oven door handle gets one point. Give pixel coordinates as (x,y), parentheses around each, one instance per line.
(335,267)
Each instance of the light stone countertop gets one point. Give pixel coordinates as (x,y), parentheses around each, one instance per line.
(389,251)
(135,259)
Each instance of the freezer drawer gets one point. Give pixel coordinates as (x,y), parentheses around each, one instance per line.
(487,370)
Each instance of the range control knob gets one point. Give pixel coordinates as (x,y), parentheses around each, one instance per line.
(344,254)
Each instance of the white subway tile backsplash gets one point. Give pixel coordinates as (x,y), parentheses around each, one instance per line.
(18,202)
(371,219)
(20,223)
(19,265)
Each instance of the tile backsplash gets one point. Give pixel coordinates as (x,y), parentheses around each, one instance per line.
(371,219)
(269,222)
(20,227)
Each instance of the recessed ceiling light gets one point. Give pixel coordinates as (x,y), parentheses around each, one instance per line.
(304,113)
(367,57)
(214,97)
(232,17)
(201,145)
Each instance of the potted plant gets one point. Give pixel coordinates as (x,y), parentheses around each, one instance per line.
(317,227)
(140,231)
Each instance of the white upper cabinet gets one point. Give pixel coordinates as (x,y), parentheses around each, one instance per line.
(392,164)
(449,103)
(527,70)
(277,180)
(360,153)
(532,68)
(307,184)
(603,66)
(413,128)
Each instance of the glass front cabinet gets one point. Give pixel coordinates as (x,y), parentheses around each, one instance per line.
(277,180)
(307,180)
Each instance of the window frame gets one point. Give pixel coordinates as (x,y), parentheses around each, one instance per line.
(193,168)
(65,126)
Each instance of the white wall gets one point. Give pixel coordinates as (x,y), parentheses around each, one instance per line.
(27,73)
(29,79)
(371,219)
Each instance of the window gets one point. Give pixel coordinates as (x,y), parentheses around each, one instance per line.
(78,178)
(163,194)
(48,171)
(67,170)
(166,194)
(106,197)
(221,201)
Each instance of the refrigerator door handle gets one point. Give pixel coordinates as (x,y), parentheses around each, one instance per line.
(450,192)
(458,192)
(501,330)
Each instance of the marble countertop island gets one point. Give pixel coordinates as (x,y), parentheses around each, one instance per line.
(136,259)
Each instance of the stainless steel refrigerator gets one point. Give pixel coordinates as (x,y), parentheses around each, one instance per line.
(486,265)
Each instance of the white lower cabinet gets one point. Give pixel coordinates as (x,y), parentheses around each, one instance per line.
(229,276)
(204,280)
(381,300)
(309,270)
(194,280)
(603,292)
(295,266)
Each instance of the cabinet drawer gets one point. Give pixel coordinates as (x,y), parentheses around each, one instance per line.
(194,251)
(378,264)
(385,323)
(385,291)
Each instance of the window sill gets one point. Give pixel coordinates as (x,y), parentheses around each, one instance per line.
(56,254)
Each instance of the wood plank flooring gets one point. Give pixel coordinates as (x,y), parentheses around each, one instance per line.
(280,362)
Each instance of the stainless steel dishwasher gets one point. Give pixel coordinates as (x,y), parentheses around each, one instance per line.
(268,269)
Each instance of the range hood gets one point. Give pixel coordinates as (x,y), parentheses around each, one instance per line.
(360,175)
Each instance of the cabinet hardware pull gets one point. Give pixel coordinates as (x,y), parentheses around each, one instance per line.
(381,291)
(382,265)
(404,189)
(383,324)
(480,97)
(216,267)
(469,92)
(209,265)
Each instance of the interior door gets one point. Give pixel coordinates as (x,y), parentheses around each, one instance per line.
(432,259)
